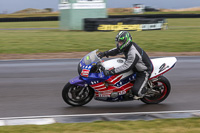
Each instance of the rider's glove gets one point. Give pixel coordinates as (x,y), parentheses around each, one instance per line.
(109,72)
(102,54)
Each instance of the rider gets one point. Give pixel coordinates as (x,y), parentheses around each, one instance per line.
(136,59)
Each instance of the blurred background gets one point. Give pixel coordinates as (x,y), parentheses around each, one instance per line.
(16,5)
(49,26)
(48,29)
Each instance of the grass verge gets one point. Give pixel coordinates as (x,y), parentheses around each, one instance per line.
(21,15)
(111,11)
(36,24)
(130,12)
(182,36)
(191,125)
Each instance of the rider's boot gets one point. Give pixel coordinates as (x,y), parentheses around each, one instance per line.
(144,92)
(131,95)
(136,97)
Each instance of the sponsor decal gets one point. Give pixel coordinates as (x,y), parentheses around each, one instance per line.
(85,72)
(89,0)
(111,68)
(120,61)
(88,57)
(163,67)
(151,26)
(133,27)
(64,1)
(88,6)
(64,6)
(82,4)
(104,95)
(122,92)
(119,26)
(108,93)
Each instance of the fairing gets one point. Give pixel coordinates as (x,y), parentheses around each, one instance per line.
(119,84)
(162,65)
(77,81)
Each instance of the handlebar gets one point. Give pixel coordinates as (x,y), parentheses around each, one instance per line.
(101,67)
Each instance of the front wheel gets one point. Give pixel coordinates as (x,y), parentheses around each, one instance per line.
(160,91)
(77,95)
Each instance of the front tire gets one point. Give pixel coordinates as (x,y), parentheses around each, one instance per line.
(163,86)
(77,95)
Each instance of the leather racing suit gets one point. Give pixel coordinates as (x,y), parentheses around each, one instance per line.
(139,62)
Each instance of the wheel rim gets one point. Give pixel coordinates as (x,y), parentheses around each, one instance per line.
(78,94)
(162,89)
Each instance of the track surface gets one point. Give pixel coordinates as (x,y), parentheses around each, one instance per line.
(33,88)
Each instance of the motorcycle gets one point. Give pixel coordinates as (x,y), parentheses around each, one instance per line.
(92,82)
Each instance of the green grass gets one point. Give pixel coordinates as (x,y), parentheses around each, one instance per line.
(38,24)
(191,125)
(121,11)
(182,36)
(28,15)
(187,22)
(131,12)
(117,11)
(172,12)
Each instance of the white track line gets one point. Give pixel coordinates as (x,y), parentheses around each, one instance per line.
(101,114)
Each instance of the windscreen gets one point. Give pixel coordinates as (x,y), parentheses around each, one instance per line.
(91,57)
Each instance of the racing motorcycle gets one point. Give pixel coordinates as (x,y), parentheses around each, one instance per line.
(92,83)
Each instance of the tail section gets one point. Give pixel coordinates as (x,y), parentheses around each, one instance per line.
(162,65)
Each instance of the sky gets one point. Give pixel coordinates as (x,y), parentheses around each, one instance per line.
(10,6)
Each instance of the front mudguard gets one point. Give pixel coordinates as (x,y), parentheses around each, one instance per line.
(77,81)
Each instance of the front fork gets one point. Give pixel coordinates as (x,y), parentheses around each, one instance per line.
(79,91)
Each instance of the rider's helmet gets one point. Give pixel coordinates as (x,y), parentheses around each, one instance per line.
(123,40)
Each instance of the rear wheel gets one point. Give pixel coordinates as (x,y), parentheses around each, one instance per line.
(77,95)
(159,92)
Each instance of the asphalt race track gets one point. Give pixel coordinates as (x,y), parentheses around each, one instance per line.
(33,88)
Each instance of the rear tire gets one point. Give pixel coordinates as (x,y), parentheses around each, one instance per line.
(77,95)
(162,85)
